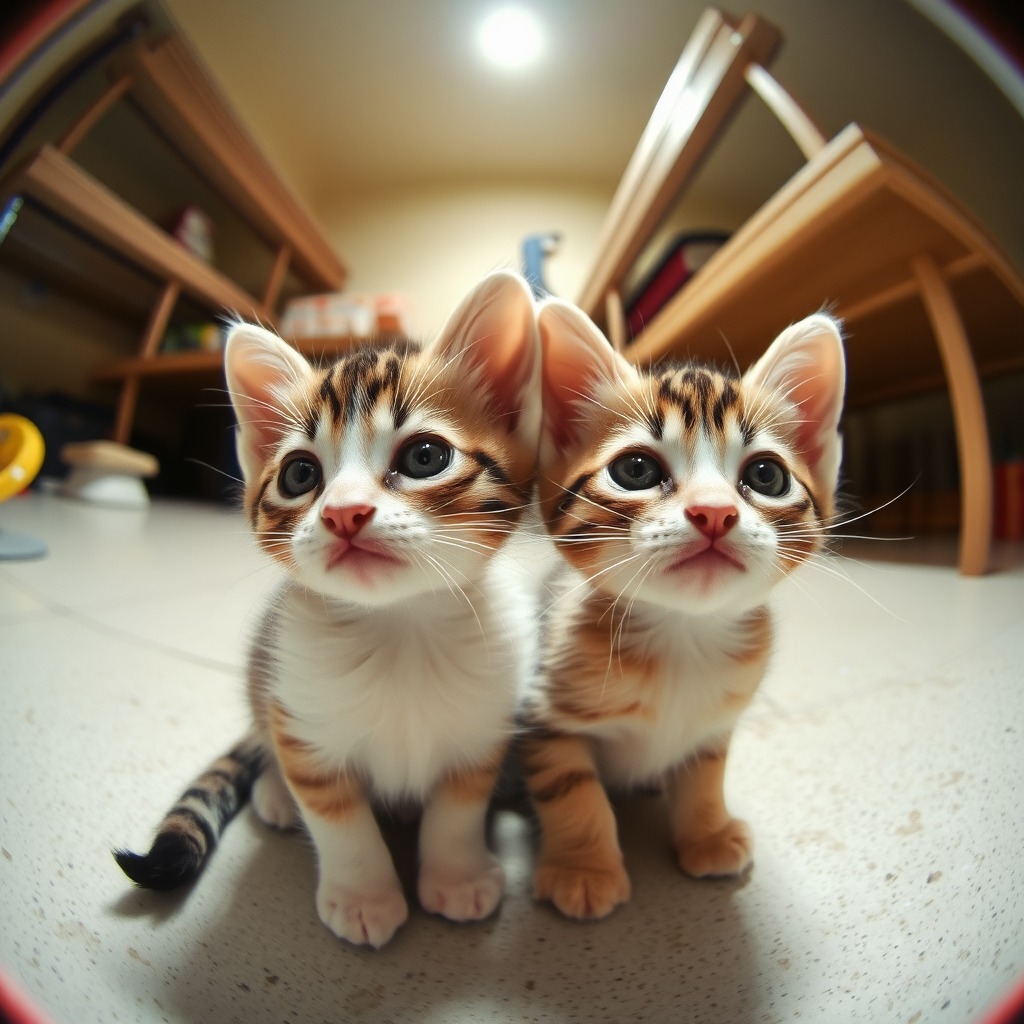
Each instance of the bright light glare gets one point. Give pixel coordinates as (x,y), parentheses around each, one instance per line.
(511,37)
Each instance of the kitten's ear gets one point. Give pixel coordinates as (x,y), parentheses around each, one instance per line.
(260,367)
(578,359)
(495,331)
(806,365)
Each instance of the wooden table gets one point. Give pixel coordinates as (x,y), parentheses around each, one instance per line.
(862,229)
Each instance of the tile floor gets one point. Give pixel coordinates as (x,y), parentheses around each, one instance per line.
(881,767)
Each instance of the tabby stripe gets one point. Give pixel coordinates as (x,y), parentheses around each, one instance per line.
(562,785)
(329,394)
(253,517)
(495,471)
(194,818)
(572,492)
(810,494)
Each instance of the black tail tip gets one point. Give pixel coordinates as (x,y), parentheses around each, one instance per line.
(172,861)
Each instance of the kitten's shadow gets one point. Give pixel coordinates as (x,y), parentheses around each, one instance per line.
(678,943)
(158,906)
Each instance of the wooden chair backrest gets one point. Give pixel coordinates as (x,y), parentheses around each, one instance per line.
(723,58)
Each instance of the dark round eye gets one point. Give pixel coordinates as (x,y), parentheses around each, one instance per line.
(299,476)
(636,471)
(766,476)
(423,458)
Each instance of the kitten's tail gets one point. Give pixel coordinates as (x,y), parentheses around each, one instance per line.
(189,833)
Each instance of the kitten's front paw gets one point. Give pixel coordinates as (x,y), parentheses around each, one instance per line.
(726,852)
(272,802)
(365,917)
(581,892)
(462,894)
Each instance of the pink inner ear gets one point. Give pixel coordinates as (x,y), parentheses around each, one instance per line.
(576,359)
(564,381)
(506,357)
(257,364)
(493,331)
(806,364)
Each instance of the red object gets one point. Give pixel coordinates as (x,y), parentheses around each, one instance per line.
(34,30)
(1009,501)
(687,254)
(16,1007)
(1010,1010)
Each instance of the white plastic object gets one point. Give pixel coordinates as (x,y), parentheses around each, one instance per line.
(101,487)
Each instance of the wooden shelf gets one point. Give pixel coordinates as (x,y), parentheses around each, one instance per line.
(67,190)
(186,363)
(171,88)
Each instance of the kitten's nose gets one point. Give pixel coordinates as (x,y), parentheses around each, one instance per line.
(348,520)
(713,520)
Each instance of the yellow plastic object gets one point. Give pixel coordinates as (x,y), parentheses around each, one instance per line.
(21,454)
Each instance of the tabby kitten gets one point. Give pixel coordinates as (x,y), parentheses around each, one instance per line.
(678,497)
(389,665)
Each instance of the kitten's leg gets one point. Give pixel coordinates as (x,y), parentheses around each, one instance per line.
(708,840)
(580,865)
(272,801)
(358,895)
(459,877)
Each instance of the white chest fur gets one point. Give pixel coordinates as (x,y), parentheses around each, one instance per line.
(693,701)
(406,693)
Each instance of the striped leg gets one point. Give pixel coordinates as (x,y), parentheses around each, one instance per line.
(580,866)
(708,840)
(358,895)
(459,877)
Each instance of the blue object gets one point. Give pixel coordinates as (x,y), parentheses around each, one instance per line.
(535,249)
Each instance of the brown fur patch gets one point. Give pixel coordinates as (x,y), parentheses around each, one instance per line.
(474,785)
(332,795)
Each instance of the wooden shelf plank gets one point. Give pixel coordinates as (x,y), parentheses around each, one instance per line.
(59,184)
(184,363)
(178,96)
(702,92)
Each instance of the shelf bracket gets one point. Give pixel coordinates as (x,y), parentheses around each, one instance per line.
(151,338)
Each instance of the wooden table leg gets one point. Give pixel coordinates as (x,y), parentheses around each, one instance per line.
(151,337)
(968,416)
(616,319)
(275,280)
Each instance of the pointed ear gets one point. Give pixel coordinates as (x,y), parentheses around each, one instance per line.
(578,359)
(260,367)
(807,366)
(494,331)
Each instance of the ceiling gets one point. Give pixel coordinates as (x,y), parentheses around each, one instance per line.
(353,94)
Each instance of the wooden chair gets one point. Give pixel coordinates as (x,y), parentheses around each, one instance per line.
(859,227)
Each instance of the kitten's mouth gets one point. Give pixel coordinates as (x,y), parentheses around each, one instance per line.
(708,560)
(364,559)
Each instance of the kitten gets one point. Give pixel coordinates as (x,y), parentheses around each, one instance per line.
(390,664)
(678,497)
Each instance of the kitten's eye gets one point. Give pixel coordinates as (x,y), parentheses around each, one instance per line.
(766,476)
(636,471)
(423,458)
(300,476)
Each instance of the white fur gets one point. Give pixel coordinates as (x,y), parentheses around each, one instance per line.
(683,706)
(402,694)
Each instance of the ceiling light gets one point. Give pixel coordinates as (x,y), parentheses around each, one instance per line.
(511,37)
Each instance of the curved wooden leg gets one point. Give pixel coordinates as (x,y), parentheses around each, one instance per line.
(968,416)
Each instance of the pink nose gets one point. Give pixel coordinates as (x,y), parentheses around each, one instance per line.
(346,521)
(713,520)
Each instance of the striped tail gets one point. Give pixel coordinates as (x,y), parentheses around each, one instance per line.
(189,833)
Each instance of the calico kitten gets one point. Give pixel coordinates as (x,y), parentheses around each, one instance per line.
(390,664)
(678,497)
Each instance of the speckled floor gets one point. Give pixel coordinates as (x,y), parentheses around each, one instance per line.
(881,767)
